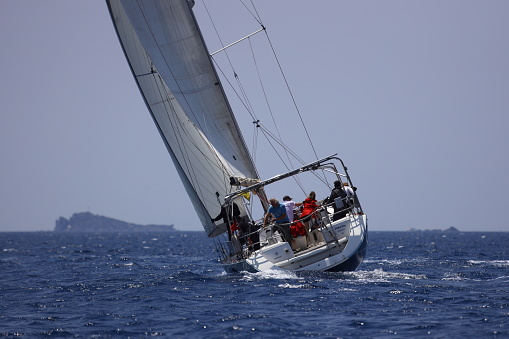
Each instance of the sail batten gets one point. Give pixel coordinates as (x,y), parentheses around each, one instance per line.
(174,72)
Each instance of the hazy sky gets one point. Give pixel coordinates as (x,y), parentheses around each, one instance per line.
(413,95)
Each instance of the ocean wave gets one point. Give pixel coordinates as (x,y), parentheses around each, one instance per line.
(379,275)
(271,274)
(9,250)
(496,263)
(288,285)
(454,276)
(394,261)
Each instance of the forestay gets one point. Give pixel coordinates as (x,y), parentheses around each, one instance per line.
(173,69)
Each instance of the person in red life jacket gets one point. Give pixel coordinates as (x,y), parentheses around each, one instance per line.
(308,207)
(297,228)
(234,226)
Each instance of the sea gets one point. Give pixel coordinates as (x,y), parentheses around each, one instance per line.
(415,284)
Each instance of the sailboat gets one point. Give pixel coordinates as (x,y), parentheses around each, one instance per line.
(178,79)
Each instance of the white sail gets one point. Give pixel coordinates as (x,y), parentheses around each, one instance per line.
(182,91)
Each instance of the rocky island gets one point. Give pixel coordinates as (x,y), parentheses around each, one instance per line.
(88,222)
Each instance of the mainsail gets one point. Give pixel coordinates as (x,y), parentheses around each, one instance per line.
(173,69)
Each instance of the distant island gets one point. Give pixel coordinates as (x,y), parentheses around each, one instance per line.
(88,222)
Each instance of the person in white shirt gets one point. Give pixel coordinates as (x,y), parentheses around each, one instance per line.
(349,193)
(348,190)
(289,204)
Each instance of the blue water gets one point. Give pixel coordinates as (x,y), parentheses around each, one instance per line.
(412,285)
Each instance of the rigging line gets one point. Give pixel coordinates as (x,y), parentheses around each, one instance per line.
(236,42)
(165,61)
(277,153)
(186,155)
(197,121)
(280,143)
(266,98)
(257,14)
(277,130)
(279,156)
(255,138)
(268,133)
(256,17)
(244,93)
(265,130)
(291,95)
(289,90)
(249,109)
(253,170)
(246,102)
(233,89)
(162,92)
(142,55)
(219,37)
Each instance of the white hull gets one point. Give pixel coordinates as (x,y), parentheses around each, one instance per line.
(341,247)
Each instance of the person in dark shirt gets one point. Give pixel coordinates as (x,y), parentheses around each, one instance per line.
(244,231)
(234,215)
(339,199)
(230,219)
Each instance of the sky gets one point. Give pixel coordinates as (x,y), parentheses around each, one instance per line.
(413,95)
